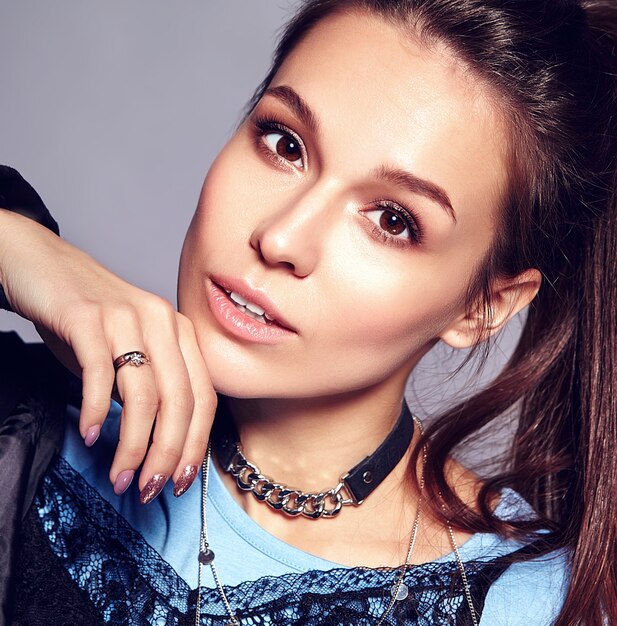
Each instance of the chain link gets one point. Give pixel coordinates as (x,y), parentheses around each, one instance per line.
(293,502)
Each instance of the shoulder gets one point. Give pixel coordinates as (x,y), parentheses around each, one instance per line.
(528,591)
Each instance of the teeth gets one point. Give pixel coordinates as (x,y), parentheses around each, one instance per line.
(244,304)
(248,308)
(236,297)
(255,308)
(247,311)
(253,315)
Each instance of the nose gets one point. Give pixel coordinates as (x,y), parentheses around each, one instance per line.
(292,236)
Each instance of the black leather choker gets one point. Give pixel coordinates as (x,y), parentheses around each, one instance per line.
(354,487)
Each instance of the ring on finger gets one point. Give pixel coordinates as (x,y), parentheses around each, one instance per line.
(135,358)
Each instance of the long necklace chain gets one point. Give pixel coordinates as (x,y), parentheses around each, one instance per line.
(206,555)
(398,592)
(395,594)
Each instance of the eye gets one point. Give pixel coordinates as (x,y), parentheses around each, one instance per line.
(394,224)
(280,143)
(285,146)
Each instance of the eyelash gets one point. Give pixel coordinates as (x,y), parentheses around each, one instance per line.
(264,125)
(410,220)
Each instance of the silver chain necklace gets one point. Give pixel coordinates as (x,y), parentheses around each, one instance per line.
(324,504)
(398,592)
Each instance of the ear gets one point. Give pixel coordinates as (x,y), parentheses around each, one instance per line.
(508,297)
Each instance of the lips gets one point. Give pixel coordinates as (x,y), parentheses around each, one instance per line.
(245,312)
(254,300)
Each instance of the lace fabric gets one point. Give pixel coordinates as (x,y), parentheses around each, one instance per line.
(78,548)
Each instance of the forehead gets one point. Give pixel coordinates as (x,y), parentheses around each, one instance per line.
(391,98)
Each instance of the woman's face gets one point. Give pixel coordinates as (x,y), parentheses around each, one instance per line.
(353,205)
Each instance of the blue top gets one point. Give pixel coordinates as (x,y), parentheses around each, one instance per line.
(159,544)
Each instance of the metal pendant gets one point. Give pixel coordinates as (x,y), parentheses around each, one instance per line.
(400,592)
(206,556)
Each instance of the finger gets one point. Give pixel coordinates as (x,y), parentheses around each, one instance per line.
(140,398)
(93,355)
(140,404)
(203,410)
(173,419)
(86,354)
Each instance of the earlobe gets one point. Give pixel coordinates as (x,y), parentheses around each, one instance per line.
(508,297)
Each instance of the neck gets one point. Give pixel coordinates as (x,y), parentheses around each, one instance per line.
(310,443)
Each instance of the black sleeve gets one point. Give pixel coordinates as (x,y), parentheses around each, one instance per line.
(16,194)
(34,390)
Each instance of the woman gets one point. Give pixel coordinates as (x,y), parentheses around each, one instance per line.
(408,172)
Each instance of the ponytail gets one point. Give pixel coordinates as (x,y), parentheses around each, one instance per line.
(592,597)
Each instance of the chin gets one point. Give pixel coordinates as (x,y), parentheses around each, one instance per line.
(238,378)
(238,382)
(234,388)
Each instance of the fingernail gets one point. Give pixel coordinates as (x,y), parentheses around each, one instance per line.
(152,488)
(123,480)
(185,480)
(92,435)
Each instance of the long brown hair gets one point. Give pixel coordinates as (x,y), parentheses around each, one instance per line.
(553,62)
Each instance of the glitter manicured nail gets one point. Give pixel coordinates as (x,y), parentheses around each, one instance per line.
(185,480)
(152,488)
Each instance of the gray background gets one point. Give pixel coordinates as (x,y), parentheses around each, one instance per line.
(114,110)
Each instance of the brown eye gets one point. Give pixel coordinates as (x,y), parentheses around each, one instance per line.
(285,146)
(392,223)
(288,148)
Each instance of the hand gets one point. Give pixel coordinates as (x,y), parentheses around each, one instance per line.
(88,316)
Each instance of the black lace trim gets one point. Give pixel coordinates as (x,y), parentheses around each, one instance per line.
(79,551)
(45,594)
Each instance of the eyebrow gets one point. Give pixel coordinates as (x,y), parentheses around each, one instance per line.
(415,184)
(396,176)
(297,104)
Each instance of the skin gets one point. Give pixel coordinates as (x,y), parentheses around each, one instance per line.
(365,307)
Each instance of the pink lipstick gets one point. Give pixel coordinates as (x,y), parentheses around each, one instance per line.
(245,312)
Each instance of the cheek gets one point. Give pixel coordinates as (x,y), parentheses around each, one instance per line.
(234,191)
(397,311)
(379,309)
(221,190)
(396,303)
(208,230)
